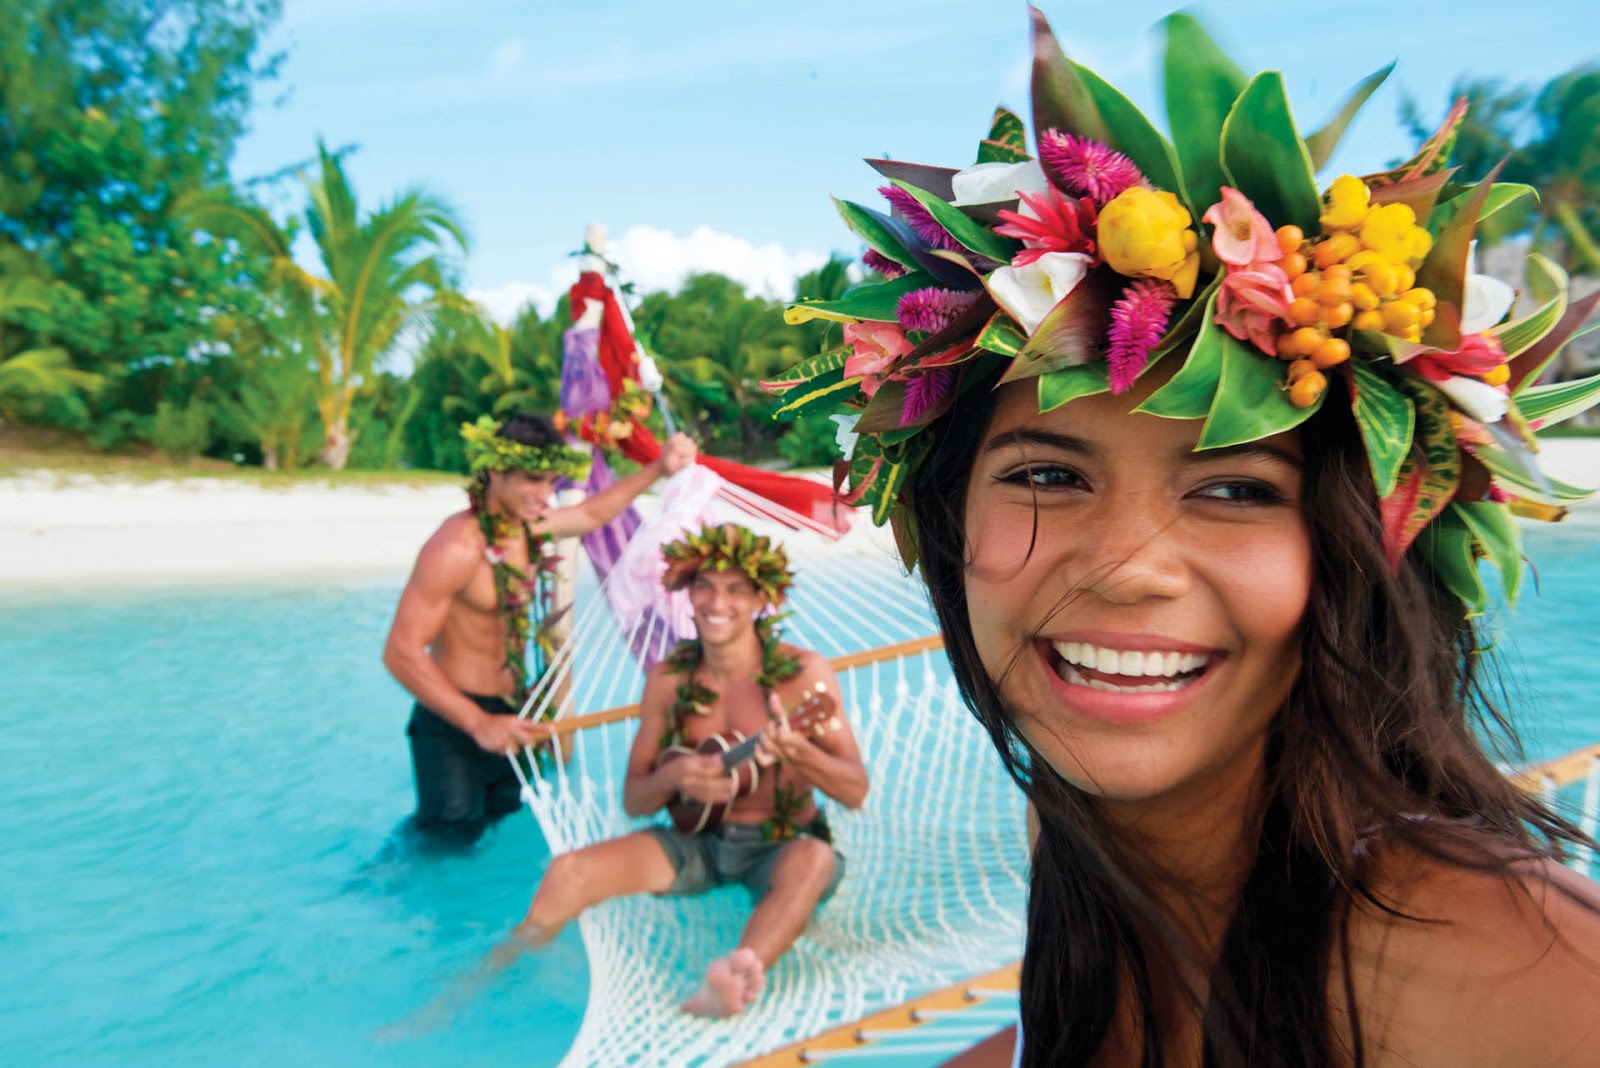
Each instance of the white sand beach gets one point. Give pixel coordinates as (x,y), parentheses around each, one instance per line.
(69,530)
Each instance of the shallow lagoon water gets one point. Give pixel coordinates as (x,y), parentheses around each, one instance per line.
(202,866)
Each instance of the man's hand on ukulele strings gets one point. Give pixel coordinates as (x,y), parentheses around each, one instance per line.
(702,778)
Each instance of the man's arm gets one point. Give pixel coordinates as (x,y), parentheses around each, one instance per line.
(647,788)
(677,452)
(443,569)
(832,760)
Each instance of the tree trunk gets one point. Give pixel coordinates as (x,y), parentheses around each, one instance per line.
(269,456)
(335,451)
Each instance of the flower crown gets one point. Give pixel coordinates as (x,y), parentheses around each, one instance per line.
(728,546)
(488,451)
(1084,263)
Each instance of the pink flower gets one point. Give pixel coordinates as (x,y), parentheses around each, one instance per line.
(877,261)
(932,309)
(494,554)
(876,347)
(1253,304)
(1056,225)
(1478,355)
(1138,319)
(1087,168)
(919,219)
(1243,237)
(925,392)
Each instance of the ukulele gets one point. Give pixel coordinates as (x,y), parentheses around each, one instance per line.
(814,713)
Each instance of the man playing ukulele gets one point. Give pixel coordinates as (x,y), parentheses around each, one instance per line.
(735,677)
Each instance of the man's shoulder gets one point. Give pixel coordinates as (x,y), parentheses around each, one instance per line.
(812,663)
(456,546)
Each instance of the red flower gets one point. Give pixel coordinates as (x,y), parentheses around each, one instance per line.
(1057,225)
(1478,355)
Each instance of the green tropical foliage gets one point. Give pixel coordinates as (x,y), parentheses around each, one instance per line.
(1547,137)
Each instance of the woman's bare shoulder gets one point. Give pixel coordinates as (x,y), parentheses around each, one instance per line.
(1479,967)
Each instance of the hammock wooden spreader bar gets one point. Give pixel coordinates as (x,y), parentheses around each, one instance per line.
(1559,771)
(573,724)
(903,1017)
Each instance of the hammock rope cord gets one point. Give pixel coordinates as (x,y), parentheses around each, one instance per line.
(935,882)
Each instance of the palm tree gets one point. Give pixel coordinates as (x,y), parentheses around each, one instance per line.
(382,275)
(1549,139)
(38,375)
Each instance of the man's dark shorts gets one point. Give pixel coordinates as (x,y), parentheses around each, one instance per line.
(733,853)
(461,789)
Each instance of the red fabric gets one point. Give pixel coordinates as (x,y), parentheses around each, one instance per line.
(618,360)
(617,357)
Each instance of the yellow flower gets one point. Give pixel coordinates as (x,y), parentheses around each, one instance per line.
(1345,206)
(1387,231)
(1145,233)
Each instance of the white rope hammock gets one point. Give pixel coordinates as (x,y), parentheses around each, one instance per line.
(935,882)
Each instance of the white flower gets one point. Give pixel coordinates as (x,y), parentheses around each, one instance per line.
(1028,293)
(1485,403)
(991,183)
(1486,299)
(846,435)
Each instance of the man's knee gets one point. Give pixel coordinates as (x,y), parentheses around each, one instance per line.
(807,860)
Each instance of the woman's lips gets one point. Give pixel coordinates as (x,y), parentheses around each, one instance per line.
(1115,684)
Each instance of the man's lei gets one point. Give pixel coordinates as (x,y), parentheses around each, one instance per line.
(518,594)
(1107,248)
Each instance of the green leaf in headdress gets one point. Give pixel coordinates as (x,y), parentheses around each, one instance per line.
(971,233)
(1321,144)
(1069,383)
(1387,421)
(878,231)
(1189,393)
(876,302)
(823,393)
(807,370)
(1072,333)
(1519,335)
(1526,368)
(1251,402)
(1445,269)
(1007,141)
(1449,546)
(1001,334)
(1202,84)
(1070,97)
(1558,401)
(1497,537)
(1264,158)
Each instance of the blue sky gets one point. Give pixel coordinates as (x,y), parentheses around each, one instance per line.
(708,134)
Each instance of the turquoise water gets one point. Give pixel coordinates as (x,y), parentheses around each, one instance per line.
(204,785)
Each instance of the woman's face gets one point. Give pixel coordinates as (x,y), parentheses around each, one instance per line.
(1139,603)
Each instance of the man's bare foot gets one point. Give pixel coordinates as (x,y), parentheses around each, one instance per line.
(732,985)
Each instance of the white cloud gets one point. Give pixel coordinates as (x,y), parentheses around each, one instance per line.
(654,259)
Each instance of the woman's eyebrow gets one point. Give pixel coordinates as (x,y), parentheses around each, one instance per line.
(1048,438)
(1248,450)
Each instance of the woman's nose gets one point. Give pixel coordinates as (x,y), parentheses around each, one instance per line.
(1134,552)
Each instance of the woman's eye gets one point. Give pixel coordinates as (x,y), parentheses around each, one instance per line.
(1242,492)
(1044,476)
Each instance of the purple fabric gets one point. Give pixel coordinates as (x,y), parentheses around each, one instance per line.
(584,389)
(605,544)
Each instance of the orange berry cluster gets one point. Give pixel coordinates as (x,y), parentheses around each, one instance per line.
(1361,275)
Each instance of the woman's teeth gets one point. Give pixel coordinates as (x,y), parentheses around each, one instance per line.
(1167,671)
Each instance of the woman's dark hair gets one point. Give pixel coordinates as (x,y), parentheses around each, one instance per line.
(1378,739)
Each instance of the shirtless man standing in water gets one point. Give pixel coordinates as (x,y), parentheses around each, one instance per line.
(775,842)
(447,645)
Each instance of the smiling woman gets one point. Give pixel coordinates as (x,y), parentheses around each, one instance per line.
(1199,462)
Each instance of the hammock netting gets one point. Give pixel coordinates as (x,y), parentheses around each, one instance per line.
(935,883)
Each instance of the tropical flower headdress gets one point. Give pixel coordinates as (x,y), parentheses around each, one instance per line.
(1108,247)
(488,451)
(728,547)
